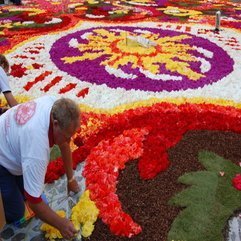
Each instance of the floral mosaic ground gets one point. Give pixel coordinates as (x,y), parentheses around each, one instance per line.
(156,85)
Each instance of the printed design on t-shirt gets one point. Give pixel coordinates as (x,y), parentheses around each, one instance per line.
(24,112)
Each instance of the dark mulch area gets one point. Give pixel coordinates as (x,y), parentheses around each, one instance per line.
(146,201)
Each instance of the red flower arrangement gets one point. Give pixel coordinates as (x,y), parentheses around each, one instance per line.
(237,182)
(83,92)
(41,77)
(166,124)
(145,133)
(37,66)
(101,172)
(18,35)
(41,18)
(53,82)
(67,88)
(17,70)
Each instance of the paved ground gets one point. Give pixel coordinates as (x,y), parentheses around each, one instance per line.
(235,229)
(56,194)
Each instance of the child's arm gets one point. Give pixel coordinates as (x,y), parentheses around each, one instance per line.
(5,88)
(10,99)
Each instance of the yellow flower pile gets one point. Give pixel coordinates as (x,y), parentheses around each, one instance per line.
(52,233)
(84,214)
(92,2)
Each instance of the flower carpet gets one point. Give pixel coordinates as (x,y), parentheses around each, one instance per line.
(158,152)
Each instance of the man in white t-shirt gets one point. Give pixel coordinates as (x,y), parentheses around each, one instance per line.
(4,84)
(27,132)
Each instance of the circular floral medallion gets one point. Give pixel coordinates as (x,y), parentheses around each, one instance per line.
(138,58)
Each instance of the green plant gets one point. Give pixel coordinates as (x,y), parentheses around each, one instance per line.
(208,202)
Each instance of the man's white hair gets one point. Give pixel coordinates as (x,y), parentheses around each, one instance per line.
(66,112)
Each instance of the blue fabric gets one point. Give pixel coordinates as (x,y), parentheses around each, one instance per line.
(17,2)
(12,194)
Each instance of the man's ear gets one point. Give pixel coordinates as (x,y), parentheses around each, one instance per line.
(55,122)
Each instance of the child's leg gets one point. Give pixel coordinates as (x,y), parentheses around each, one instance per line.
(13,201)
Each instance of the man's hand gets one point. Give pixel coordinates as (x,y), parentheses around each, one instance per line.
(67,229)
(47,215)
(73,186)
